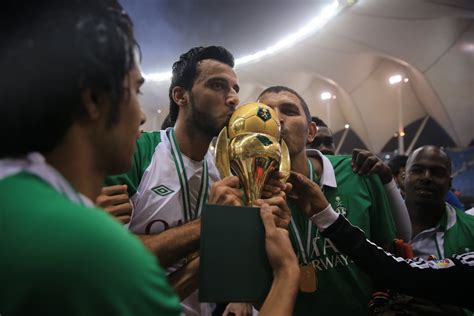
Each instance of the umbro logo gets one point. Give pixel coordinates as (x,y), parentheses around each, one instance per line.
(162,190)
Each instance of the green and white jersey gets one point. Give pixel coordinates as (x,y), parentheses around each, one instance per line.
(60,257)
(453,235)
(154,184)
(342,288)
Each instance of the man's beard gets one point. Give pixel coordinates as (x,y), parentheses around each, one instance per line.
(202,121)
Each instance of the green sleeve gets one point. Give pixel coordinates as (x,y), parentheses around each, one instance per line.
(145,148)
(118,275)
(67,259)
(382,226)
(111,273)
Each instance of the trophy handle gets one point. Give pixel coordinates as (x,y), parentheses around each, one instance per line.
(285,164)
(222,154)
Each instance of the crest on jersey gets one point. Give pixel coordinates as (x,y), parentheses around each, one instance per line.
(339,206)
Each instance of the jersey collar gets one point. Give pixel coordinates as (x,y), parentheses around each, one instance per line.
(328,178)
(449,218)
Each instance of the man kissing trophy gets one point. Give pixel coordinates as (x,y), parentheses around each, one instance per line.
(251,148)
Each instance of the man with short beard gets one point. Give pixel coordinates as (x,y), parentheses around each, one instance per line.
(173,173)
(340,288)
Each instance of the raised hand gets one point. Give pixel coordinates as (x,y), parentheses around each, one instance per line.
(226,191)
(115,200)
(307,194)
(366,163)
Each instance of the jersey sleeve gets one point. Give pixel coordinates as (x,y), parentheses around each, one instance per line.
(145,148)
(116,275)
(66,259)
(382,226)
(440,280)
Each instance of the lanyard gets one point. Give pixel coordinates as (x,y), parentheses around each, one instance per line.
(437,246)
(305,254)
(183,181)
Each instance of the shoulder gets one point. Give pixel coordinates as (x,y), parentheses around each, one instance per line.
(464,218)
(148,141)
(66,246)
(18,192)
(339,159)
(343,170)
(146,147)
(153,137)
(31,206)
(340,162)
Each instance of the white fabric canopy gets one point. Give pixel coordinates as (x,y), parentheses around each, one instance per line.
(429,42)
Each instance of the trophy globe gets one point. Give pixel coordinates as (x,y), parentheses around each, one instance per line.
(251,148)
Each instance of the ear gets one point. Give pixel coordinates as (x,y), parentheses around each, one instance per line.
(180,96)
(312,131)
(91,105)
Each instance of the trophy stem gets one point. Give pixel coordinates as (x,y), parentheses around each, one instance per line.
(253,173)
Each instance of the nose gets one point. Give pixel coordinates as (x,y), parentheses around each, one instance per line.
(233,99)
(142,117)
(281,117)
(426,174)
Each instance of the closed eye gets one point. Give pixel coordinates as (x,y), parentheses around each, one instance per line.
(289,109)
(218,85)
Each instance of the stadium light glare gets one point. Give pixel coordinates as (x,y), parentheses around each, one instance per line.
(316,23)
(395,79)
(326,96)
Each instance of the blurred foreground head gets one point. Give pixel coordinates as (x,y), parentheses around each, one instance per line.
(55,52)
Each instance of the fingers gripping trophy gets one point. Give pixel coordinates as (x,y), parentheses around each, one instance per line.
(251,148)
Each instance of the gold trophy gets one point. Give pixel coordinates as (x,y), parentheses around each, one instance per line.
(251,148)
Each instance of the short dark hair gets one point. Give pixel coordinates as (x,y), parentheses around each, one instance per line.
(166,122)
(396,163)
(319,122)
(278,89)
(185,70)
(54,52)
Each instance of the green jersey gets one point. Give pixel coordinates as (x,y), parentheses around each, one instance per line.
(62,258)
(342,288)
(459,237)
(454,234)
(166,190)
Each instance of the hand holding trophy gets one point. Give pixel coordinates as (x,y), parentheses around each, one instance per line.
(251,148)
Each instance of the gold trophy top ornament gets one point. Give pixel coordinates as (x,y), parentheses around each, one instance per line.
(250,147)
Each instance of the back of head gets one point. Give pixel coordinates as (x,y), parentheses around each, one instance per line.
(278,89)
(185,71)
(396,163)
(319,122)
(166,123)
(53,53)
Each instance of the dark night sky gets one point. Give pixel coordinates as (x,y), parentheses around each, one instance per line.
(167,28)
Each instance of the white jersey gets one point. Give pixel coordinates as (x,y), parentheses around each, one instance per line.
(157,195)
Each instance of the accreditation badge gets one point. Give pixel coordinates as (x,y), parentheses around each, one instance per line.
(307,278)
